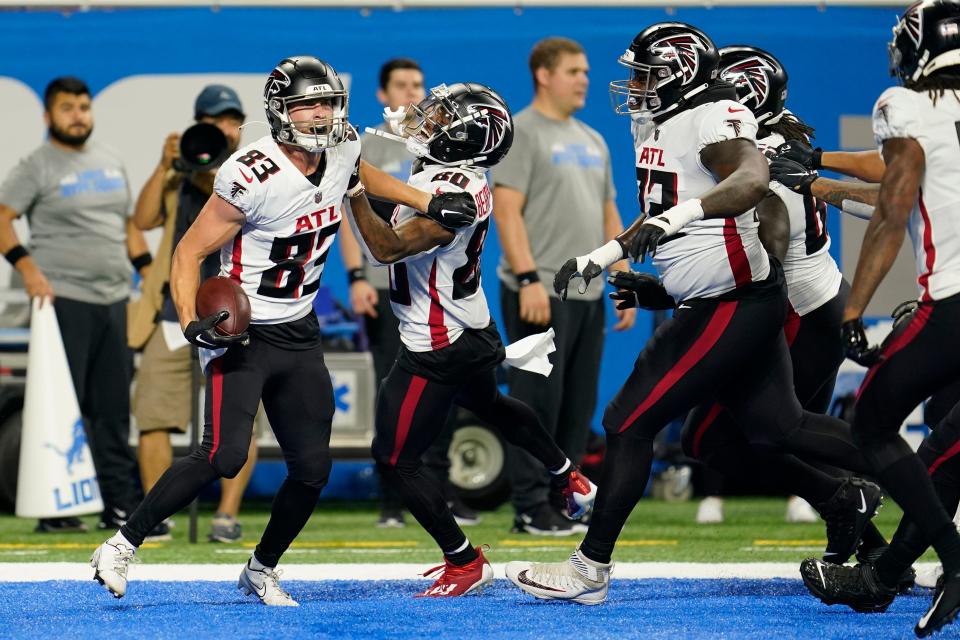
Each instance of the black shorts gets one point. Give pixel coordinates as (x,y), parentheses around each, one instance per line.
(475,351)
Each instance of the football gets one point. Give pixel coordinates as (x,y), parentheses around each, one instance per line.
(220,293)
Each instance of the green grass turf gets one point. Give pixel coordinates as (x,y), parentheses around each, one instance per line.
(344,533)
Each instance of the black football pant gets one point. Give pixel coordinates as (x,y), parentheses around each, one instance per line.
(298,397)
(713,437)
(412,412)
(729,349)
(917,360)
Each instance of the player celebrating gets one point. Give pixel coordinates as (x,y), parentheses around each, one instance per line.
(700,176)
(915,127)
(273,215)
(451,346)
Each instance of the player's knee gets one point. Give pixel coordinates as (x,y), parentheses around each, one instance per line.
(313,472)
(228,461)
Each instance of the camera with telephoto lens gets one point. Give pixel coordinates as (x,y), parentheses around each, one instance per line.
(202,147)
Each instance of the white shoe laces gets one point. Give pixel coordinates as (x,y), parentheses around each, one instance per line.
(273,582)
(560,574)
(122,559)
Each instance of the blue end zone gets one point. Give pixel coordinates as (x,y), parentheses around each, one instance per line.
(637,608)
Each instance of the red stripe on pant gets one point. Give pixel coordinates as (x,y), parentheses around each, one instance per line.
(407,408)
(216,388)
(702,428)
(791,326)
(949,453)
(711,334)
(898,343)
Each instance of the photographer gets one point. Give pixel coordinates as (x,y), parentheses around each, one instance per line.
(172,198)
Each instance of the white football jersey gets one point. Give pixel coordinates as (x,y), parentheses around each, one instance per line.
(812,275)
(279,253)
(934,224)
(436,294)
(708,257)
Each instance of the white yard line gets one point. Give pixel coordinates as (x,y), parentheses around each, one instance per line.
(42,571)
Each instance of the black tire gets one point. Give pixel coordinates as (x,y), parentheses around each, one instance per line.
(478,464)
(9,460)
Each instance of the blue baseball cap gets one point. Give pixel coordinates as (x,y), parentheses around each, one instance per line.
(216,99)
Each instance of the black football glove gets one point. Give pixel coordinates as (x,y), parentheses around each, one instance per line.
(569,271)
(203,333)
(801,151)
(855,343)
(645,242)
(792,175)
(452,210)
(639,290)
(903,313)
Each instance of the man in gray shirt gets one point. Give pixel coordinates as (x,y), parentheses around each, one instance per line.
(77,201)
(554,194)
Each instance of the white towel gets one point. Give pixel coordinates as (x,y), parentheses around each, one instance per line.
(530,353)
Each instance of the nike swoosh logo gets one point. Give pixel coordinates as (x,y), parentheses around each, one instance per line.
(249,180)
(926,618)
(732,110)
(820,571)
(684,306)
(830,553)
(863,501)
(522,577)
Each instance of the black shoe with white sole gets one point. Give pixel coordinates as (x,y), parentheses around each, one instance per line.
(856,587)
(544,520)
(846,515)
(945,607)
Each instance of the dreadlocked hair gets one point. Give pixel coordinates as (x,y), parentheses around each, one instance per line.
(792,128)
(937,84)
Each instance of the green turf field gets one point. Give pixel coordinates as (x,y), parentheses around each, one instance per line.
(658,531)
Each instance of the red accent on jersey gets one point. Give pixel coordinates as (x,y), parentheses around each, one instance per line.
(217,392)
(898,343)
(732,110)
(438,331)
(711,334)
(407,408)
(739,263)
(703,426)
(236,257)
(929,251)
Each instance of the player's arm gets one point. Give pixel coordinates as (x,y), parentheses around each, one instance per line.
(774,225)
(35,283)
(389,244)
(363,297)
(137,249)
(218,222)
(452,210)
(855,198)
(864,165)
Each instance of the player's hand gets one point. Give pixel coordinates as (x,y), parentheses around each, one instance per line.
(35,283)
(580,267)
(535,304)
(855,343)
(364,298)
(171,151)
(792,175)
(452,210)
(801,151)
(903,313)
(203,333)
(641,290)
(645,242)
(626,318)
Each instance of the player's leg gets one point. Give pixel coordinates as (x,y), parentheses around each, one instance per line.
(817,353)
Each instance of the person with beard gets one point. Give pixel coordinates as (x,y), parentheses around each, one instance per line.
(172,199)
(76,197)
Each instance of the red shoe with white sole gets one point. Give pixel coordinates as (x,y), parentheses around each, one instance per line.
(456,580)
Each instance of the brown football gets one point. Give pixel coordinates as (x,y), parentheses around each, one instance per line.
(217,294)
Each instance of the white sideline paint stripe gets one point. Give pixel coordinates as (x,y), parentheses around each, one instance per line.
(43,571)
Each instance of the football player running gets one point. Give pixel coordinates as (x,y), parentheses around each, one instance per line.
(700,176)
(273,216)
(793,229)
(451,346)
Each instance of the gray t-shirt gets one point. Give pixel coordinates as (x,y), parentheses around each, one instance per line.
(393,158)
(77,204)
(563,169)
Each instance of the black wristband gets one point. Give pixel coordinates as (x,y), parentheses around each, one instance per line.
(355,275)
(141,261)
(15,254)
(817,159)
(527,277)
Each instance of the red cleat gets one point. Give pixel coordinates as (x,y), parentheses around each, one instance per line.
(455,580)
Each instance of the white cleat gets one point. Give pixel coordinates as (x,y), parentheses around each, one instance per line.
(578,578)
(265,585)
(710,510)
(799,510)
(110,562)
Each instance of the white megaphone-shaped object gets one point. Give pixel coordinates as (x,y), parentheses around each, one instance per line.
(56,477)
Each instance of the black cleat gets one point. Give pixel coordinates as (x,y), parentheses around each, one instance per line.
(857,587)
(846,514)
(871,555)
(945,607)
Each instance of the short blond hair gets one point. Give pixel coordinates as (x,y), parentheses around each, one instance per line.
(546,54)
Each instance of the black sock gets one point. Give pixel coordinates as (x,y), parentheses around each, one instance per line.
(520,426)
(465,556)
(871,538)
(292,506)
(907,545)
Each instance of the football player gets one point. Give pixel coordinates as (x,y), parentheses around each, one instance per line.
(700,177)
(915,127)
(451,346)
(793,229)
(275,210)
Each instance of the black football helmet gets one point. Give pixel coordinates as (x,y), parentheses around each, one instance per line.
(926,39)
(669,62)
(463,124)
(759,78)
(303,79)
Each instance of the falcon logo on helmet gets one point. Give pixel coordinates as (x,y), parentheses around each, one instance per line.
(912,23)
(494,121)
(751,77)
(276,82)
(684,49)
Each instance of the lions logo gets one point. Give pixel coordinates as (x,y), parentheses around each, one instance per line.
(751,77)
(277,82)
(494,122)
(682,48)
